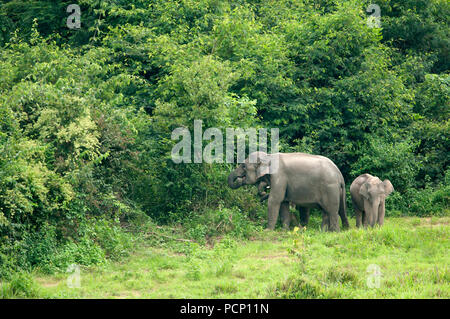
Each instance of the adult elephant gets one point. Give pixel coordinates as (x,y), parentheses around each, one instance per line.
(306,180)
(368,197)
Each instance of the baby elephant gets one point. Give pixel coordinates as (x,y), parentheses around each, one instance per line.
(368,196)
(263,186)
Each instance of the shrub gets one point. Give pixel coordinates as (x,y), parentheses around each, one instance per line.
(21,285)
(8,264)
(83,252)
(37,248)
(113,239)
(298,287)
(389,160)
(215,222)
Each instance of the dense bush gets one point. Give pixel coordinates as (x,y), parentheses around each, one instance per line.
(213,223)
(20,285)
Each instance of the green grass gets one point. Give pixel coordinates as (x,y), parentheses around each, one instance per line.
(412,254)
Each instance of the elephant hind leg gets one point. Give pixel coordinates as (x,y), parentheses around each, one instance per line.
(343,209)
(285,215)
(325,221)
(358,216)
(364,219)
(333,221)
(330,206)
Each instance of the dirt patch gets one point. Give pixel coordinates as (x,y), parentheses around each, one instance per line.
(277,256)
(127,294)
(47,284)
(433,222)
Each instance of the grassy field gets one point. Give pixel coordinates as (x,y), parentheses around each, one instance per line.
(412,255)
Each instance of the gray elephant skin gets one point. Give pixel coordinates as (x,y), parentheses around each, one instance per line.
(368,197)
(308,181)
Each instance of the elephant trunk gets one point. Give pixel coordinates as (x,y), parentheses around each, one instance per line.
(234,181)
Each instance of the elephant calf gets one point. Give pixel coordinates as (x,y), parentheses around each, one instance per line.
(263,185)
(368,197)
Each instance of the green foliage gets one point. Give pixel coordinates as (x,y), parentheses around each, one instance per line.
(412,254)
(21,285)
(214,222)
(300,241)
(199,90)
(298,288)
(387,160)
(84,252)
(431,200)
(97,240)
(432,127)
(328,275)
(418,27)
(112,239)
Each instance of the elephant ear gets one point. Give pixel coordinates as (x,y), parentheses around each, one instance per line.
(388,188)
(364,191)
(263,166)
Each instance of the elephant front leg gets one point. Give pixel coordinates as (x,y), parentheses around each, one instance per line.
(364,219)
(358,216)
(276,197)
(273,209)
(325,221)
(381,212)
(371,210)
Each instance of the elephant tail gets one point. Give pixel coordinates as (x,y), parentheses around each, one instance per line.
(343,207)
